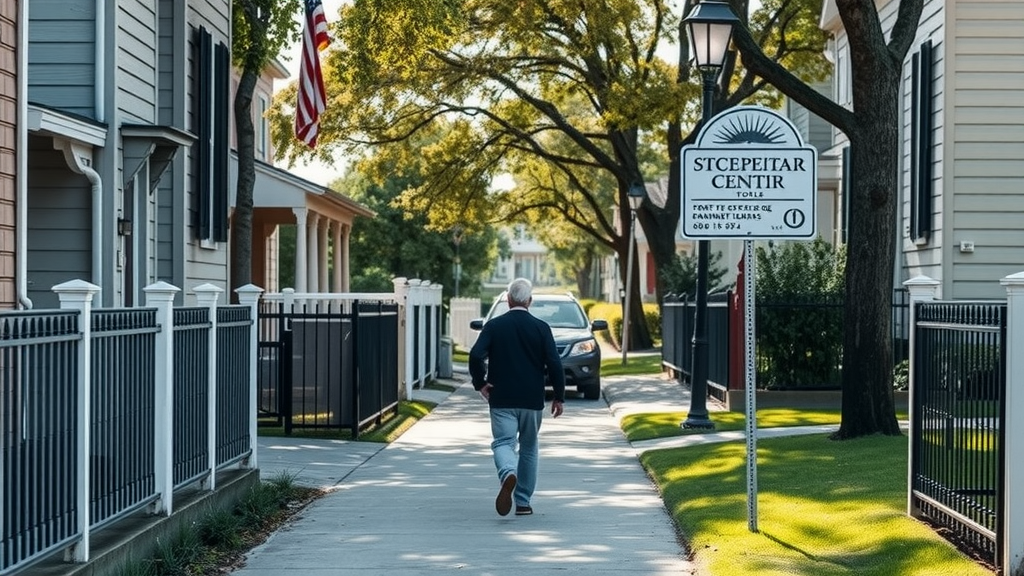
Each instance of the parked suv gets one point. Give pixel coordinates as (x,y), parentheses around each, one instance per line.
(574,337)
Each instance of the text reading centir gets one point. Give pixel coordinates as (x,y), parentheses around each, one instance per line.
(748,164)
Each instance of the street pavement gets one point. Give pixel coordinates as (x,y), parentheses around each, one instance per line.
(424,504)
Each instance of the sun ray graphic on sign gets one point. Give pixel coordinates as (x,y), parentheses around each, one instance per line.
(749,130)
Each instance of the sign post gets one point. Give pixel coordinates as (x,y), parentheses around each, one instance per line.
(749,176)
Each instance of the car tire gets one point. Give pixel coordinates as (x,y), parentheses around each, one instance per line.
(592,391)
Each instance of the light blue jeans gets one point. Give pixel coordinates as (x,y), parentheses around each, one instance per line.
(509,427)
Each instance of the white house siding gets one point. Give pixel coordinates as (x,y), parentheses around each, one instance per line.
(172,227)
(986,166)
(925,255)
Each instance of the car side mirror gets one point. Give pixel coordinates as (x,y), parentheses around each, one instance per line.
(599,325)
(477,324)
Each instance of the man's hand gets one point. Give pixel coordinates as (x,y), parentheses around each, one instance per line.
(486,391)
(556,408)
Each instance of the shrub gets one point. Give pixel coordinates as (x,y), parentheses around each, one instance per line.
(612,313)
(799,314)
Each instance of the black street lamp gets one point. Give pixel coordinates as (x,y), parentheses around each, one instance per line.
(636,195)
(709,26)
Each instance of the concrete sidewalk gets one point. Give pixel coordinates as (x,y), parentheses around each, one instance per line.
(425,503)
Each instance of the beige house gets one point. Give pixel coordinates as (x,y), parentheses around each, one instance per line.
(9,148)
(962,177)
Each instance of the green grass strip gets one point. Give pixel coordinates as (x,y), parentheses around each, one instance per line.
(635,365)
(825,508)
(409,412)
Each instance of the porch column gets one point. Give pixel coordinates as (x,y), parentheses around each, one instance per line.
(312,273)
(346,232)
(300,248)
(336,256)
(322,235)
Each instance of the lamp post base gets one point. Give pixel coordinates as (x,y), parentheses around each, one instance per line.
(697,423)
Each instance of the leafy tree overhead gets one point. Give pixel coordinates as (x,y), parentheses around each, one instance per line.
(401,243)
(259,30)
(579,87)
(873,130)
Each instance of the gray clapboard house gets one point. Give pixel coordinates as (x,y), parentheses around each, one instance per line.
(127,117)
(961,218)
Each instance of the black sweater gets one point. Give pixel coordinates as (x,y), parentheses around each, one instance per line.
(513,353)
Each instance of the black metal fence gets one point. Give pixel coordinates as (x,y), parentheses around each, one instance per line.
(123,409)
(38,400)
(322,367)
(787,356)
(957,437)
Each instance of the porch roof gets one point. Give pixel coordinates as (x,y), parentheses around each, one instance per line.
(278,188)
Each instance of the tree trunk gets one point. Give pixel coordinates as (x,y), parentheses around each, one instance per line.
(241,220)
(868,406)
(639,335)
(660,224)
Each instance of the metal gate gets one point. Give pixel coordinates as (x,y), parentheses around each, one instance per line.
(327,365)
(957,435)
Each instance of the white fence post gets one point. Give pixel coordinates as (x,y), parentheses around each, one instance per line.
(207,295)
(78,295)
(405,310)
(921,289)
(434,339)
(418,295)
(249,295)
(160,295)
(1013,497)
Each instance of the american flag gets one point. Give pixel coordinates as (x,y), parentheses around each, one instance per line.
(311,80)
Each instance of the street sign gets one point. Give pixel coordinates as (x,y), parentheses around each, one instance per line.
(749,176)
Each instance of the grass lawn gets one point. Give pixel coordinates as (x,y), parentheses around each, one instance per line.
(648,425)
(637,364)
(825,508)
(409,412)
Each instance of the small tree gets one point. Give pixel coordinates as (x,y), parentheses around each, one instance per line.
(259,30)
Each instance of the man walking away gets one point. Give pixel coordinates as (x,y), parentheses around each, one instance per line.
(513,355)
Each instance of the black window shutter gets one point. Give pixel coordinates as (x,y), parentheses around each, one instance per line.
(202,113)
(922,74)
(222,107)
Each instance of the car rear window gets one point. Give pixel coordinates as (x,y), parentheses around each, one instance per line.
(557,313)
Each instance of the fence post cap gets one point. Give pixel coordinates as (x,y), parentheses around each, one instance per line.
(161,287)
(207,289)
(76,286)
(1013,280)
(921,280)
(249,289)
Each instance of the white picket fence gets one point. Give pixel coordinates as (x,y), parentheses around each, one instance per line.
(462,311)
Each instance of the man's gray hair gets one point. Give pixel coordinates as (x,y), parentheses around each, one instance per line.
(520,291)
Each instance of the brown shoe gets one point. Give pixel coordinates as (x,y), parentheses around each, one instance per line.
(523,510)
(503,503)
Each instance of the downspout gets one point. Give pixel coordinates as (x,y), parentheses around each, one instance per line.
(21,185)
(99,62)
(79,159)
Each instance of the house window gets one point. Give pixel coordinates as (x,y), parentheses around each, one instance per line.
(262,128)
(922,78)
(210,118)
